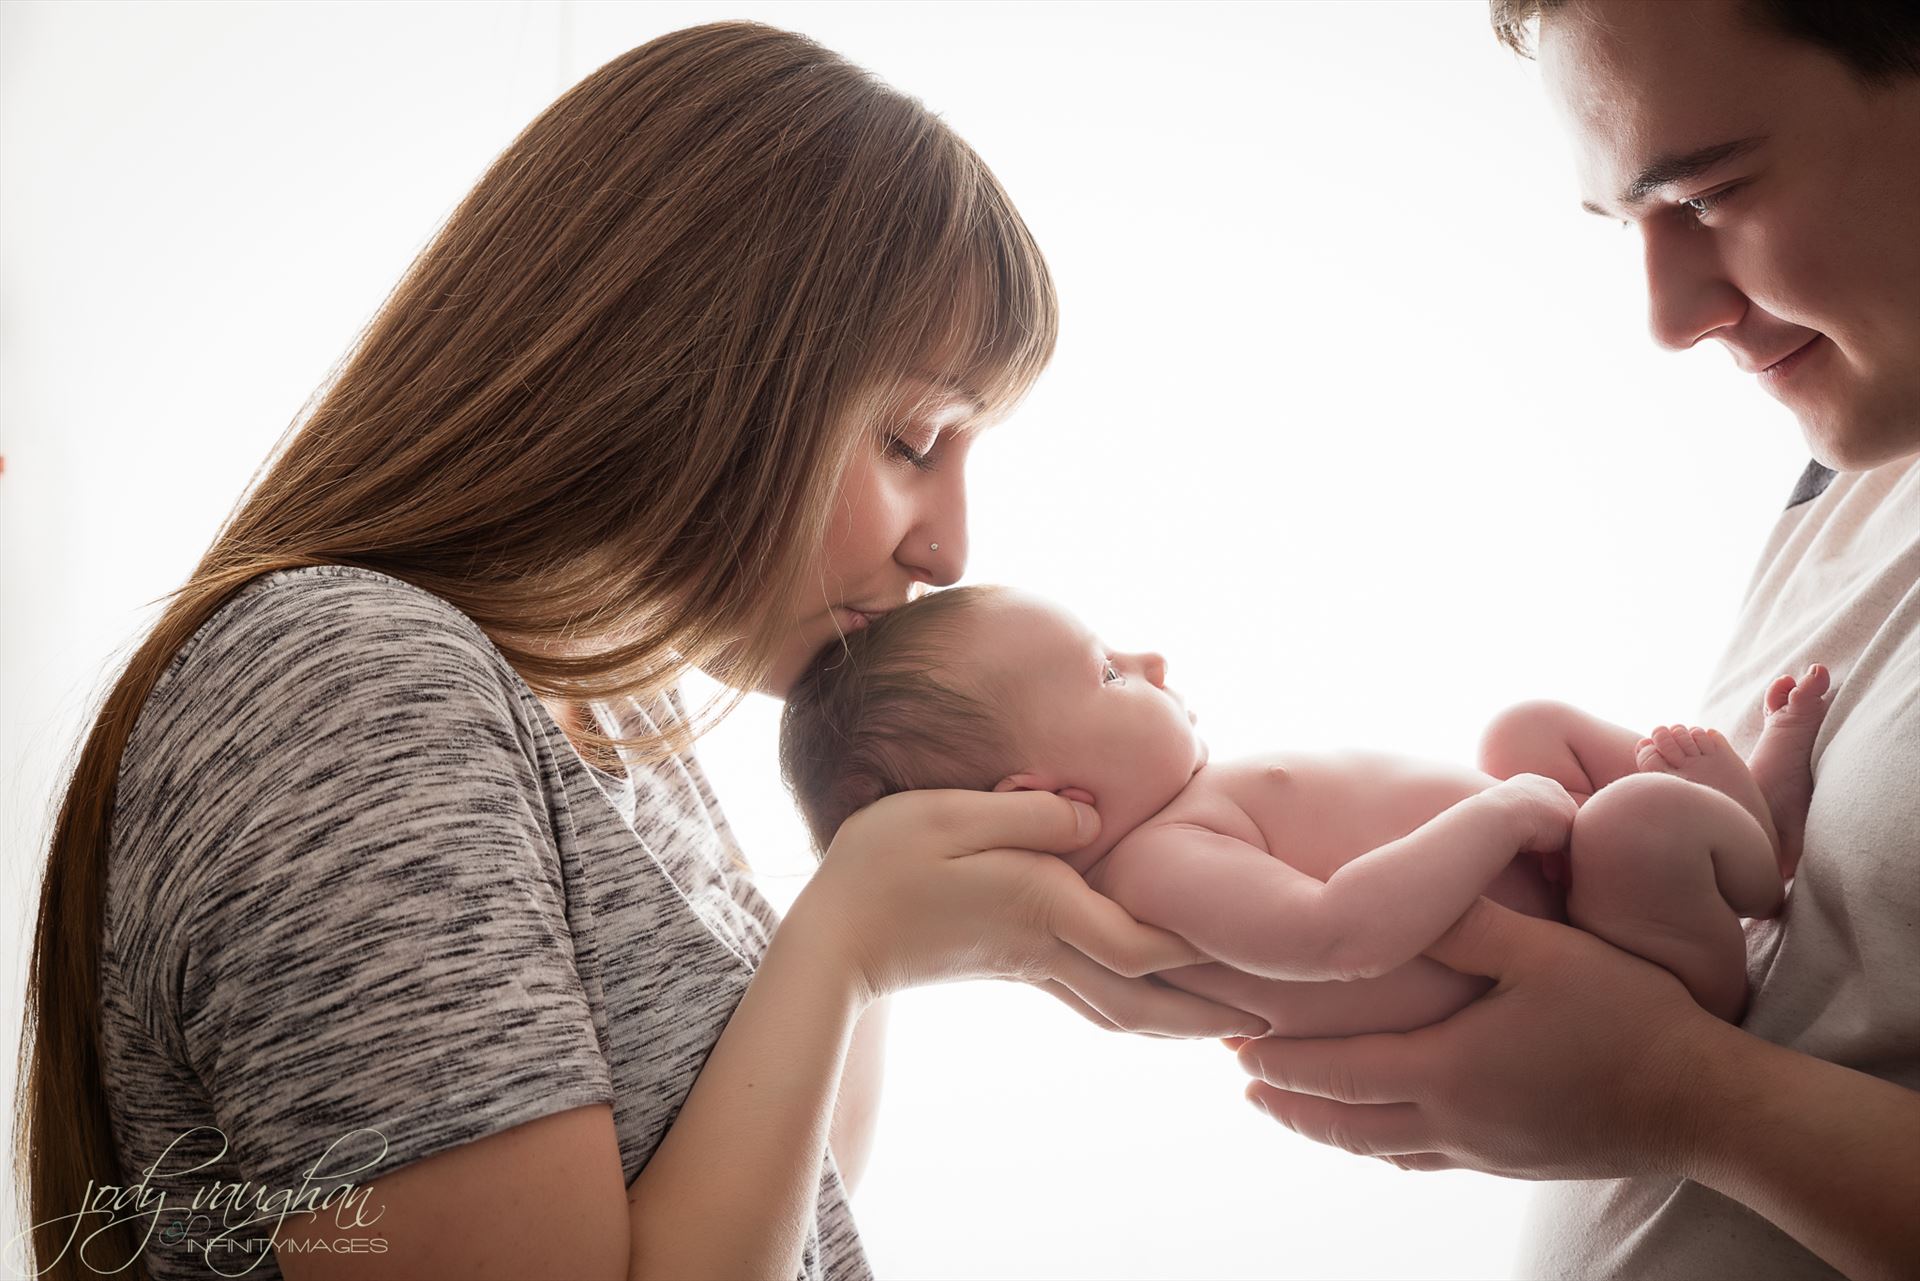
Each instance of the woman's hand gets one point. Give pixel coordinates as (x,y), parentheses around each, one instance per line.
(1583,1062)
(937,885)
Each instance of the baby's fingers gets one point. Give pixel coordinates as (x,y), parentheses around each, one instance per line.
(1145,1006)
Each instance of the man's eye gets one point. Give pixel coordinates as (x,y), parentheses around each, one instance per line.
(1110,675)
(1701,206)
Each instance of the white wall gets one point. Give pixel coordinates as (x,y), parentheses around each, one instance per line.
(1354,417)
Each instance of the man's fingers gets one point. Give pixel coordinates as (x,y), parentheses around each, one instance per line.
(1142,1005)
(1487,938)
(1380,1067)
(1364,1129)
(1423,1161)
(1070,998)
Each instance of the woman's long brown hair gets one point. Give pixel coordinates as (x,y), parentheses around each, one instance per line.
(604,414)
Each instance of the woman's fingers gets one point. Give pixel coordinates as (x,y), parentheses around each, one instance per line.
(1364,1129)
(1088,920)
(1142,1005)
(1018,820)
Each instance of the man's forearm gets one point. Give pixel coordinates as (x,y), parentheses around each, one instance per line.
(1825,1153)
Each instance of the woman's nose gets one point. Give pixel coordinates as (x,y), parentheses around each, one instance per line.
(935,547)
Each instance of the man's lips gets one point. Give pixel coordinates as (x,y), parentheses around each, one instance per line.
(1785,361)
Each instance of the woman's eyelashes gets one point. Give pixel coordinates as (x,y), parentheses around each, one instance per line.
(901,448)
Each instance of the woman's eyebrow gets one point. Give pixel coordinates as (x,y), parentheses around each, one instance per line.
(953,387)
(1665,170)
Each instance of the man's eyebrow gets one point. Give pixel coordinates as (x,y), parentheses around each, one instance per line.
(1665,170)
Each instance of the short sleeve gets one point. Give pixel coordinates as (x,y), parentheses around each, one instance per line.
(378,964)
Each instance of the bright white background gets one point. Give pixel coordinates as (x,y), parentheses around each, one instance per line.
(1354,417)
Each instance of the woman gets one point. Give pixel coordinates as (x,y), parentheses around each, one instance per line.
(386,861)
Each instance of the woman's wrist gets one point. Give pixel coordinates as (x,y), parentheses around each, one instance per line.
(820,938)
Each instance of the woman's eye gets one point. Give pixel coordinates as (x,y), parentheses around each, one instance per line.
(899,448)
(1110,675)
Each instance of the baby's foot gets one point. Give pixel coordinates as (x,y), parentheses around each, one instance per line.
(1705,756)
(1782,761)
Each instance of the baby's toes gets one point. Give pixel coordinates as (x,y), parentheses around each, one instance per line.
(1811,690)
(1667,744)
(1647,758)
(1683,735)
(1711,742)
(1777,693)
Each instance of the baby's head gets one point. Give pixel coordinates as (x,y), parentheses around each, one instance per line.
(989,689)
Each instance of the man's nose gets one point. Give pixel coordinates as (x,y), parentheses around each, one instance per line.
(1688,293)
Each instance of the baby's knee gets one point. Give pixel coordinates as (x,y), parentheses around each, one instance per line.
(1633,824)
(1515,740)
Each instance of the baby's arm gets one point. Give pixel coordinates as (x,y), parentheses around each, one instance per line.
(1248,909)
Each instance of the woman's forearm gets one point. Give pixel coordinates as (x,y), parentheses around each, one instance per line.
(857,1110)
(1825,1153)
(731,1189)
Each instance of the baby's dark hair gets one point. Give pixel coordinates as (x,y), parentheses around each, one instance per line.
(881,711)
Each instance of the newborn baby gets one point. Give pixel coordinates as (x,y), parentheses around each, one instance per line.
(1315,880)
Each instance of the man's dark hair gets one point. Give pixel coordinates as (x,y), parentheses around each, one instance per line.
(1878,39)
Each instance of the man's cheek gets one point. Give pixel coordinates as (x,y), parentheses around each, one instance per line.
(1790,271)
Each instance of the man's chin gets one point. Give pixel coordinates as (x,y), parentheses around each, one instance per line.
(1859,442)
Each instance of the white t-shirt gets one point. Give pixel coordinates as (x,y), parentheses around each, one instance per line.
(1837,974)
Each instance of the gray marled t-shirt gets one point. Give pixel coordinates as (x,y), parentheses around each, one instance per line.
(366,904)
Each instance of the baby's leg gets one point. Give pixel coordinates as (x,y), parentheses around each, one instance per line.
(1580,752)
(1665,868)
(1776,784)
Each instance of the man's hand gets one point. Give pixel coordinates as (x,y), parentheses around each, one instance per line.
(1584,1061)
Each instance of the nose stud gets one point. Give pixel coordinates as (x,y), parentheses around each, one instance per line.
(933,547)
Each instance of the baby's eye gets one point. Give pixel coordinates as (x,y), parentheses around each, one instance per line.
(1110,675)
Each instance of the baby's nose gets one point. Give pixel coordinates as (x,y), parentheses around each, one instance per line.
(1156,668)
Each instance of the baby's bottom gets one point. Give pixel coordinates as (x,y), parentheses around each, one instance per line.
(1413,995)
(1659,865)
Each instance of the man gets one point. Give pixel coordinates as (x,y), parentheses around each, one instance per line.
(1768,152)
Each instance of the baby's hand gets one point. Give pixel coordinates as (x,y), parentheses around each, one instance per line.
(1542,811)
